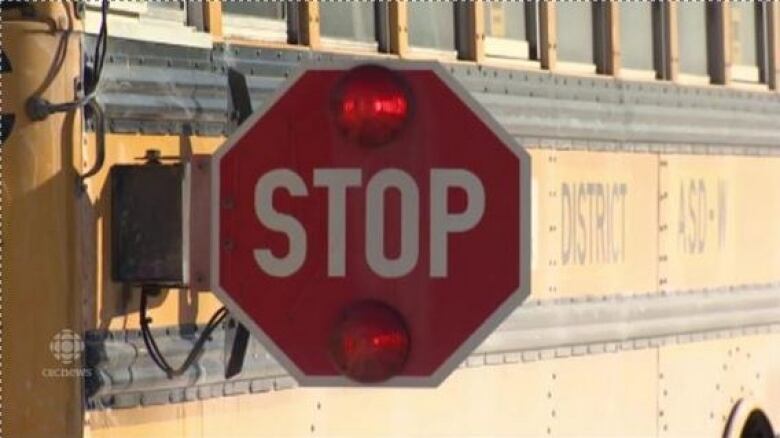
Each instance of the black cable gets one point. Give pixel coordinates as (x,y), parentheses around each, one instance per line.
(100,140)
(151,345)
(154,351)
(41,108)
(101,46)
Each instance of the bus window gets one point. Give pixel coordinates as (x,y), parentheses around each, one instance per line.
(506,34)
(172,10)
(692,41)
(745,33)
(432,28)
(152,21)
(266,21)
(575,35)
(349,25)
(636,40)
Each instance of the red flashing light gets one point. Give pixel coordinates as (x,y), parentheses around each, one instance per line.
(370,342)
(371,105)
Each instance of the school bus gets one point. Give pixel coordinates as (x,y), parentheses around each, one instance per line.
(653,132)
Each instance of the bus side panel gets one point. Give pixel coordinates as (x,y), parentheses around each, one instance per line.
(111,306)
(41,303)
(595,223)
(718,217)
(608,394)
(700,383)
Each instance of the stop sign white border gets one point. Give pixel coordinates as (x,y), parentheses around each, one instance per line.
(487,327)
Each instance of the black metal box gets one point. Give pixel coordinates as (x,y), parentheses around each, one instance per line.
(146,224)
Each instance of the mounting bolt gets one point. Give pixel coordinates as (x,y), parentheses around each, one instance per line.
(152,156)
(38,108)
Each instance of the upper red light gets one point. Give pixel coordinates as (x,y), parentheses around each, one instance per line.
(370,342)
(371,105)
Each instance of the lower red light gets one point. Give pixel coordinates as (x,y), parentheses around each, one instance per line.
(370,342)
(371,105)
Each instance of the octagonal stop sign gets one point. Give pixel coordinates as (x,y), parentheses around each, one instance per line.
(371,224)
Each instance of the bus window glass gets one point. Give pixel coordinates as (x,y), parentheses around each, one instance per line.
(505,29)
(575,31)
(432,25)
(167,10)
(256,20)
(347,20)
(744,37)
(692,37)
(636,35)
(743,33)
(266,10)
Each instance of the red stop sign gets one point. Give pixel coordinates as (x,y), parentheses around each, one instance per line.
(371,224)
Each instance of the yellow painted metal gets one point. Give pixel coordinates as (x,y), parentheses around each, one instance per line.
(545,398)
(718,221)
(701,382)
(594,223)
(41,247)
(605,395)
(680,390)
(639,392)
(110,305)
(667,391)
(603,223)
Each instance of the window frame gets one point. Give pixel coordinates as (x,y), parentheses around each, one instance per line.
(363,47)
(155,10)
(462,34)
(548,41)
(713,47)
(752,74)
(656,38)
(133,21)
(773,45)
(509,50)
(265,30)
(302,30)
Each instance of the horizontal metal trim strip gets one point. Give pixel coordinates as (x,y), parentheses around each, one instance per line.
(123,370)
(145,85)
